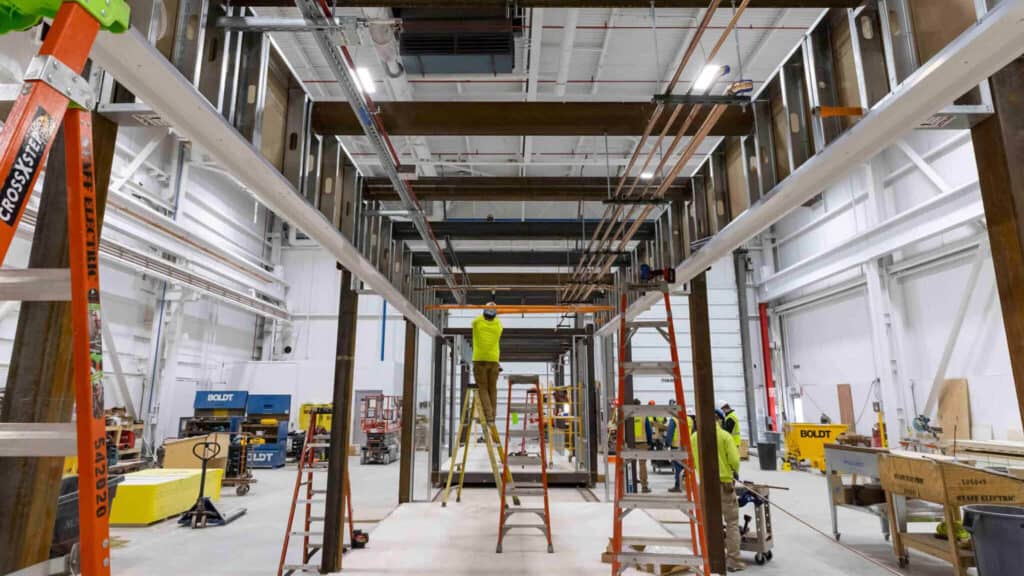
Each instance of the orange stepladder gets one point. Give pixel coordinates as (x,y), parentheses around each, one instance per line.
(54,92)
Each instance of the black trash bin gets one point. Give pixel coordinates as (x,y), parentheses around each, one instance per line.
(998,533)
(767,455)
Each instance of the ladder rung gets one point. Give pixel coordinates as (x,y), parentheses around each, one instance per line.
(541,527)
(520,510)
(309,501)
(319,490)
(522,408)
(529,486)
(321,437)
(36,284)
(659,559)
(318,445)
(658,410)
(649,368)
(523,433)
(647,324)
(518,491)
(524,461)
(655,502)
(302,568)
(37,439)
(307,533)
(674,455)
(656,541)
(316,518)
(524,379)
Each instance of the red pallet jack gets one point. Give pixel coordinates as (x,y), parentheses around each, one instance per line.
(55,93)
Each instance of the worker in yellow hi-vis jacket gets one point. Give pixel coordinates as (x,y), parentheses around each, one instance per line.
(486,357)
(728,474)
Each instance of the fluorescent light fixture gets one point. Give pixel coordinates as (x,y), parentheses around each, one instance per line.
(707,77)
(647,176)
(366,80)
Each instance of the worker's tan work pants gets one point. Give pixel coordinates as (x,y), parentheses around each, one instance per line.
(641,472)
(486,376)
(731,515)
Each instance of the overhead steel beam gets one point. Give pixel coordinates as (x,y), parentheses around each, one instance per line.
(513,119)
(556,3)
(506,259)
(512,297)
(524,333)
(510,189)
(982,50)
(143,70)
(332,47)
(522,230)
(517,279)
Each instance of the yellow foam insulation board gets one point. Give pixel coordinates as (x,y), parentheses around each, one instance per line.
(149,496)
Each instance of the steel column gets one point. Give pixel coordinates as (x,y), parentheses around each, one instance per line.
(341,430)
(704,410)
(408,452)
(999,148)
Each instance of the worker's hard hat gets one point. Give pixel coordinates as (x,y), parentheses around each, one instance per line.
(650,402)
(726,407)
(491,310)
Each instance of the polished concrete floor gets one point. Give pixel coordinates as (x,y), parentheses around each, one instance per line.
(423,538)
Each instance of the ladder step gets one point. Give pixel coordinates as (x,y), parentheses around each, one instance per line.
(656,541)
(542,527)
(529,486)
(313,568)
(318,445)
(520,510)
(316,518)
(309,501)
(649,368)
(673,455)
(36,284)
(522,408)
(36,439)
(659,559)
(307,533)
(655,502)
(524,379)
(524,461)
(319,491)
(527,491)
(523,433)
(658,410)
(647,324)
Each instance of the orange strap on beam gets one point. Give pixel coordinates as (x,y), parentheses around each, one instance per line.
(837,111)
(528,308)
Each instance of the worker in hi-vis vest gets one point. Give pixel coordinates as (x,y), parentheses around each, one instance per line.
(731,423)
(728,474)
(640,436)
(486,355)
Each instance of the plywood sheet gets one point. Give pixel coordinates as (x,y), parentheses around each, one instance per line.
(274,111)
(735,170)
(847,85)
(937,22)
(955,410)
(846,411)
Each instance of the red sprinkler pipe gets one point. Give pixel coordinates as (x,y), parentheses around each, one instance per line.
(766,351)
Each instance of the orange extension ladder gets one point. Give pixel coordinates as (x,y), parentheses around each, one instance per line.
(636,552)
(55,94)
(312,466)
(526,484)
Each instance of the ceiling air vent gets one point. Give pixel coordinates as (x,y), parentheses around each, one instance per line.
(457,41)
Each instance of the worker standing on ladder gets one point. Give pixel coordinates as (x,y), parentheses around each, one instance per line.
(731,423)
(486,357)
(728,474)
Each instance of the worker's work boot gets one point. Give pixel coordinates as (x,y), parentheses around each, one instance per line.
(735,566)
(675,489)
(645,489)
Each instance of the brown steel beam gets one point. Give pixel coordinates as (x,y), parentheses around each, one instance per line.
(337,462)
(555,3)
(508,189)
(704,410)
(39,381)
(517,230)
(405,461)
(507,279)
(514,119)
(999,148)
